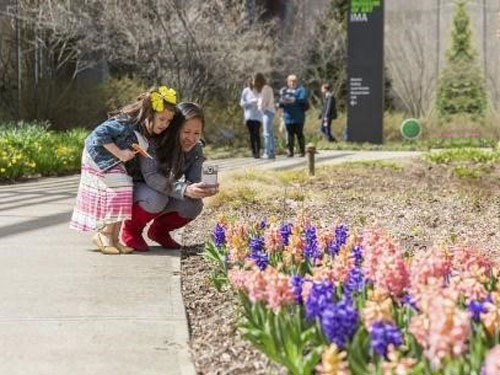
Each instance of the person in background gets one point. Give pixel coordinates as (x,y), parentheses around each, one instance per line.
(169,196)
(253,117)
(328,112)
(266,106)
(294,101)
(104,198)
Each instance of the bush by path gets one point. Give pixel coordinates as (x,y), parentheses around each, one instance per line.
(31,149)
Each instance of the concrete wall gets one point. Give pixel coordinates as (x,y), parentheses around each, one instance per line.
(434,32)
(420,30)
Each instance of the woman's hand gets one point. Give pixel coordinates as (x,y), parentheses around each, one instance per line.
(200,190)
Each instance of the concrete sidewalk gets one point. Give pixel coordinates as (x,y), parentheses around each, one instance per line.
(65,309)
(322,157)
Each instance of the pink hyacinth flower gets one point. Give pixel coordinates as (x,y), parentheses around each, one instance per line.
(492,362)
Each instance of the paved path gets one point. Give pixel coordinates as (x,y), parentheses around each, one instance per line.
(67,310)
(322,158)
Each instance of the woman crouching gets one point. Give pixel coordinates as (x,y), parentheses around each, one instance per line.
(170,196)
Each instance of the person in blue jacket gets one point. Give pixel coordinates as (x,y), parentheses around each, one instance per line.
(294,103)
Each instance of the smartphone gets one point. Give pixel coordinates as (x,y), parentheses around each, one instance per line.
(209,175)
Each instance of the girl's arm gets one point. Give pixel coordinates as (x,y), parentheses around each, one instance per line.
(105,135)
(123,155)
(108,131)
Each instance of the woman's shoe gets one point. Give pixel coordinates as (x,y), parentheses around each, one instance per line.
(132,229)
(160,229)
(105,249)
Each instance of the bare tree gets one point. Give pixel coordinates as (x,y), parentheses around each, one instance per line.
(412,69)
(203,48)
(52,55)
(326,60)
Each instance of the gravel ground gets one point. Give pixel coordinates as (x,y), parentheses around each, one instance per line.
(419,205)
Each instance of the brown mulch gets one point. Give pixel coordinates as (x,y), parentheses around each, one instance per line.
(420,206)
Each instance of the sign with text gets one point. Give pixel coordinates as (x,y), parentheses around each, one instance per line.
(365,104)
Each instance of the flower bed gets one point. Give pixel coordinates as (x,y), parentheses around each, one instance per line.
(329,300)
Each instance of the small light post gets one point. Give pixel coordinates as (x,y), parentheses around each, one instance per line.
(311,151)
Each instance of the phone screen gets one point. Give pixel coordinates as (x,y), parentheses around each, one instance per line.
(209,175)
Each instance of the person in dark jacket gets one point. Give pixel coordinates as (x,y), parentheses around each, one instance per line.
(294,102)
(328,112)
(169,200)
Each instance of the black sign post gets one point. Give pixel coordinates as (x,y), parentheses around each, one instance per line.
(365,105)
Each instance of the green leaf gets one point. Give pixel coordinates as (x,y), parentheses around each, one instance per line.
(358,355)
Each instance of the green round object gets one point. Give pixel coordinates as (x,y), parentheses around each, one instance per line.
(411,129)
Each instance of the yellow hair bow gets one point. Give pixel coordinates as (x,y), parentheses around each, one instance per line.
(163,94)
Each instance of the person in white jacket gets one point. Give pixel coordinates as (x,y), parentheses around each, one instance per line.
(252,115)
(265,104)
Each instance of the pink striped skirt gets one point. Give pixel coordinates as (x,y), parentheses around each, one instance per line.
(103,198)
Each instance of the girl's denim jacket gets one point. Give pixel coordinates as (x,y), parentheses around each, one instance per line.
(114,130)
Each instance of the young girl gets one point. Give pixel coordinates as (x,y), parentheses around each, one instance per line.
(104,197)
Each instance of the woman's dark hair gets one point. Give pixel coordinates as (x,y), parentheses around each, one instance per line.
(168,148)
(258,81)
(169,151)
(192,110)
(141,112)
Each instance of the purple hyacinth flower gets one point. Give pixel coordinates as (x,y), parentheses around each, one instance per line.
(409,300)
(220,235)
(257,252)
(297,282)
(286,231)
(476,308)
(261,259)
(321,295)
(256,244)
(333,248)
(262,224)
(357,253)
(312,248)
(340,240)
(384,334)
(355,282)
(341,233)
(339,322)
